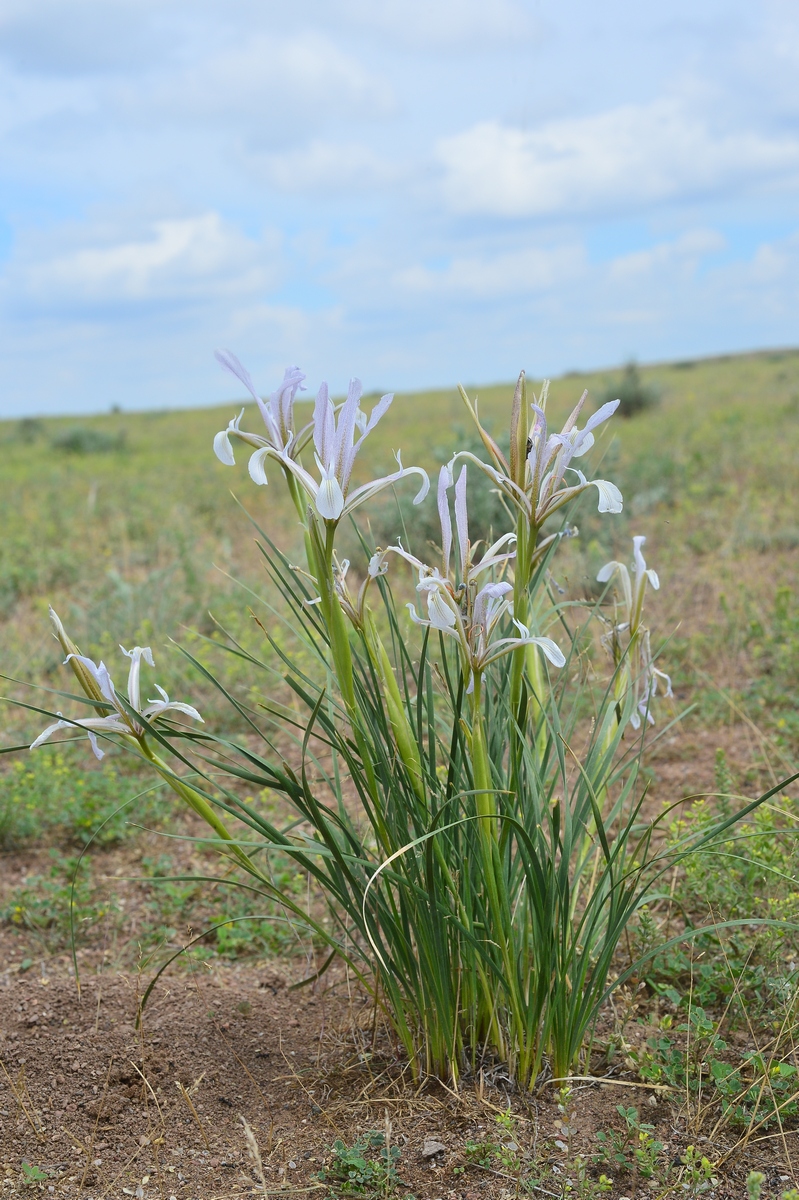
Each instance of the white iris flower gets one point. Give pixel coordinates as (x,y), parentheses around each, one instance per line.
(121,720)
(277,412)
(458,608)
(645,674)
(337,438)
(549,458)
(632,591)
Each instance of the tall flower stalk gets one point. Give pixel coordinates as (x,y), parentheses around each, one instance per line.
(479,869)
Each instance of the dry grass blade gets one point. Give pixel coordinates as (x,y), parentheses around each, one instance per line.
(18,1097)
(253,1151)
(184,1093)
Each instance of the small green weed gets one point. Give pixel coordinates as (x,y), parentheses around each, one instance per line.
(367,1168)
(31,1175)
(697,1172)
(633,1147)
(754,1185)
(501,1153)
(579,1184)
(756,1091)
(42,904)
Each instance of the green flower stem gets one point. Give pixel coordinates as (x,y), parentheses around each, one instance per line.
(400,725)
(525,543)
(493,872)
(321,554)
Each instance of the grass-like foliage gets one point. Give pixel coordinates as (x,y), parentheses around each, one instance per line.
(461,783)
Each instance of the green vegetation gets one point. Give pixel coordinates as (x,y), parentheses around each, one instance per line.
(634,395)
(58,795)
(126,524)
(369,1167)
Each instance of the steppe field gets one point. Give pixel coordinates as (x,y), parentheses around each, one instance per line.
(129,526)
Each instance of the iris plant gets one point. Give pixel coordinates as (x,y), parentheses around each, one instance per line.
(478,884)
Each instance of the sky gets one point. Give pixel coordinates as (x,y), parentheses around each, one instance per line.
(414,192)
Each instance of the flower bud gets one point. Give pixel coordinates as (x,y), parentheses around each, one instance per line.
(519,423)
(82,673)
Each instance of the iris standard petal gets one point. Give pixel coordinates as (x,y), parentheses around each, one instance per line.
(445,482)
(228,360)
(345,429)
(136,655)
(462,520)
(602,414)
(324,425)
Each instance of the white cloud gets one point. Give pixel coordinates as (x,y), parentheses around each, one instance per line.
(332,166)
(188,259)
(625,157)
(775,262)
(503,274)
(272,83)
(684,252)
(442,24)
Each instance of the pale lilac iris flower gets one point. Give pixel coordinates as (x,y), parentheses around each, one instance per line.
(455,605)
(549,459)
(337,437)
(277,412)
(642,666)
(120,720)
(632,590)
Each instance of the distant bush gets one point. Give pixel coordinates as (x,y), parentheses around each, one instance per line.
(635,395)
(29,429)
(83,440)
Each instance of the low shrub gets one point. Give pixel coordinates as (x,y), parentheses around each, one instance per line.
(634,395)
(81,439)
